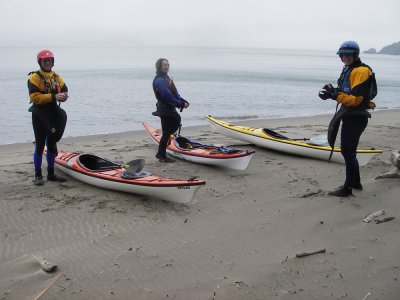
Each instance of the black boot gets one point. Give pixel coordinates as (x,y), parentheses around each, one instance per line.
(38,180)
(165,159)
(342,192)
(357,186)
(53,177)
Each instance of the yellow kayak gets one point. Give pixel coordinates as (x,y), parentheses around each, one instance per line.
(272,140)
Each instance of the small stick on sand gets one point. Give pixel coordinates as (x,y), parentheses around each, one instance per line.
(45,264)
(384,220)
(366,296)
(310,253)
(46,289)
(284,259)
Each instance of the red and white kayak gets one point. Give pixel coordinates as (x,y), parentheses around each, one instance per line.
(103,173)
(194,151)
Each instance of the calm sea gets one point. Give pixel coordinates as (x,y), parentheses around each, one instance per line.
(111,88)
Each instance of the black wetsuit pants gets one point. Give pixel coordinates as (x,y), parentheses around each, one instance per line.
(169,125)
(352,128)
(41,131)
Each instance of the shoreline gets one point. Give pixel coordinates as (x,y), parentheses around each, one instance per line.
(239,240)
(250,122)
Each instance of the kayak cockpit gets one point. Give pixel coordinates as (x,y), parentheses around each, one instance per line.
(275,134)
(96,164)
(185,143)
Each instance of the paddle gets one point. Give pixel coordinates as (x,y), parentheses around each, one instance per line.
(319,140)
(135,166)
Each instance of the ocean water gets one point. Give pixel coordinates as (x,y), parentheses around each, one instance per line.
(111,88)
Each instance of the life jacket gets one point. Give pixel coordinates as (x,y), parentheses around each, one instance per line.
(46,86)
(170,84)
(368,89)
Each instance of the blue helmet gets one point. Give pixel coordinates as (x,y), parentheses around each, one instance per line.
(349,47)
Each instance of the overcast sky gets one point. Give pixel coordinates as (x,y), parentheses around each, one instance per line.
(305,24)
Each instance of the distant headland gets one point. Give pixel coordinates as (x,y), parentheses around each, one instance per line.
(393,49)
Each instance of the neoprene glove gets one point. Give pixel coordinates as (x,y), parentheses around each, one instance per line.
(328,92)
(329,88)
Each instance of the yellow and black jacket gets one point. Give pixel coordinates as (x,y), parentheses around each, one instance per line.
(356,89)
(43,86)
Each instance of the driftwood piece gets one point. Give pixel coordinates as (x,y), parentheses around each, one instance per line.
(366,296)
(45,264)
(395,173)
(384,220)
(310,253)
(51,284)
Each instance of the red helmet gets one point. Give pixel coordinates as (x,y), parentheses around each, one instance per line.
(45,54)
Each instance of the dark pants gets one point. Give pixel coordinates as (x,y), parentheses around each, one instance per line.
(48,126)
(41,132)
(169,125)
(352,128)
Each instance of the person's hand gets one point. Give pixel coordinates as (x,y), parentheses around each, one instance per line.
(186,104)
(327,92)
(62,97)
(329,88)
(324,95)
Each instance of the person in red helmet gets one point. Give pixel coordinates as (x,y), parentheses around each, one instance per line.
(354,93)
(47,91)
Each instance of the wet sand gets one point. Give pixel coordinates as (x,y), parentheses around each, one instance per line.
(238,241)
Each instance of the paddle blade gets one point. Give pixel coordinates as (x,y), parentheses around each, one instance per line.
(135,166)
(319,140)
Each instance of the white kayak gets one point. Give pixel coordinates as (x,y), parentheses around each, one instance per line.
(105,174)
(272,140)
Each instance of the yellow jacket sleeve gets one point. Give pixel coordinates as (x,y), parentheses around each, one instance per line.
(357,77)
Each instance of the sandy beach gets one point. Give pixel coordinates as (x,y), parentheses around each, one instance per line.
(239,240)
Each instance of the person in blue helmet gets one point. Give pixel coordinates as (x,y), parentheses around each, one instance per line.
(168,99)
(356,87)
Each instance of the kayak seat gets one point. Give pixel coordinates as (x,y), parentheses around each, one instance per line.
(185,143)
(275,134)
(96,164)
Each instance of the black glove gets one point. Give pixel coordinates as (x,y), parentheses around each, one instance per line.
(324,95)
(329,88)
(328,92)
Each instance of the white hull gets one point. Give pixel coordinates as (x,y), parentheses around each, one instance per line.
(178,194)
(236,163)
(313,152)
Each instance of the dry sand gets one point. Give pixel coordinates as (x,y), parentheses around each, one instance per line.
(238,241)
